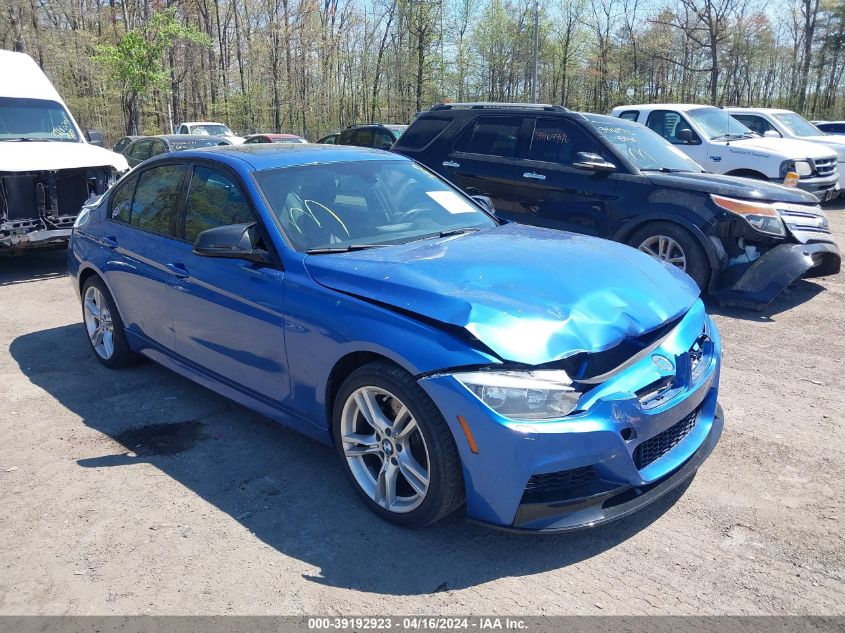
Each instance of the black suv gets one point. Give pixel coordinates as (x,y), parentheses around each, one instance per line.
(378,135)
(743,240)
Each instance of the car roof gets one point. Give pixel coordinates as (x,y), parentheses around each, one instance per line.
(273,135)
(764,110)
(202,123)
(683,107)
(260,156)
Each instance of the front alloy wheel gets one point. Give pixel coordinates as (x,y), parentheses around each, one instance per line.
(385,449)
(395,446)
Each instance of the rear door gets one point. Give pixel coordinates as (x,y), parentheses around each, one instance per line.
(551,192)
(141,232)
(227,313)
(486,159)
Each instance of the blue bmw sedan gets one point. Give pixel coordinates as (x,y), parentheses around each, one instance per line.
(541,380)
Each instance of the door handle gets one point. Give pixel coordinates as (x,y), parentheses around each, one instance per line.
(533,176)
(178,270)
(450,163)
(109,242)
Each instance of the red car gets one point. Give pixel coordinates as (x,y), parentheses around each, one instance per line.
(274,138)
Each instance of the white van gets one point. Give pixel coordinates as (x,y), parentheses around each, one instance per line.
(723,145)
(47,167)
(777,123)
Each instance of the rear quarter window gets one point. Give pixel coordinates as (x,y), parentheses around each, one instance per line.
(422,132)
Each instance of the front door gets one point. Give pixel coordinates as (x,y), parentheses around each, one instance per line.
(227,313)
(551,192)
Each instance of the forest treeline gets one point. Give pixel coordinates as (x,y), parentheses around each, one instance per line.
(315,66)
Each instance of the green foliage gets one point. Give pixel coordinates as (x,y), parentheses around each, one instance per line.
(137,59)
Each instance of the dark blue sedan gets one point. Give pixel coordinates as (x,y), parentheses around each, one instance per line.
(543,380)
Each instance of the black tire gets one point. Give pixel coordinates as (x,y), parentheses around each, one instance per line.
(697,265)
(122,355)
(445,493)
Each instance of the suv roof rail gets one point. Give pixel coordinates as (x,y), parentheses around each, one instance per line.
(480,105)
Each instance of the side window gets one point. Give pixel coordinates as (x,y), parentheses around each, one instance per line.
(630,115)
(183,129)
(382,138)
(558,140)
(158,148)
(754,123)
(669,124)
(140,150)
(214,199)
(156,198)
(121,200)
(493,136)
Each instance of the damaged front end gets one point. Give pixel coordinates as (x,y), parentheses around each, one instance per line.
(767,247)
(38,208)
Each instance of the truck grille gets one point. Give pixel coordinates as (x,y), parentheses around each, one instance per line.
(825,166)
(656,447)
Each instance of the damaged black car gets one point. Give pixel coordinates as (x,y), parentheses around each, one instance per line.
(741,240)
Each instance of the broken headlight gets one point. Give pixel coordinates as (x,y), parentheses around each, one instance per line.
(760,216)
(523,395)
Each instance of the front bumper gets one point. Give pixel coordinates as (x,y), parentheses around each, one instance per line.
(756,285)
(605,437)
(15,241)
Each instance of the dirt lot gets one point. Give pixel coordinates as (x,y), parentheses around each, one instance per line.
(107,511)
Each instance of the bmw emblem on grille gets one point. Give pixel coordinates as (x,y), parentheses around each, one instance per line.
(662,362)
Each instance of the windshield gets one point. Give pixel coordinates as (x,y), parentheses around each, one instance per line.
(365,204)
(646,149)
(798,125)
(719,125)
(211,128)
(35,119)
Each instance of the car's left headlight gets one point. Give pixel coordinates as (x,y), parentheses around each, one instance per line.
(523,395)
(801,167)
(762,216)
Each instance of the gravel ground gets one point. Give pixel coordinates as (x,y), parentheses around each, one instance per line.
(107,511)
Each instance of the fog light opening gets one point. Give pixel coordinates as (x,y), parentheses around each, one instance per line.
(628,434)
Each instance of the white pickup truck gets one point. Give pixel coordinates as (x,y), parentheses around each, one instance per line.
(209,128)
(47,167)
(776,123)
(723,145)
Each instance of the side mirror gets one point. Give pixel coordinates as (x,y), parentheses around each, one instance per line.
(686,135)
(233,241)
(95,137)
(386,146)
(771,134)
(592,162)
(485,202)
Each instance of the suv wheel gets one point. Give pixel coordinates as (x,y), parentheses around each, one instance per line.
(395,446)
(674,245)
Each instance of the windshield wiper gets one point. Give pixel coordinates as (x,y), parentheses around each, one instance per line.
(729,136)
(343,249)
(664,170)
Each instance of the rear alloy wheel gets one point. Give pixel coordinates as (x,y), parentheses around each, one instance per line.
(396,447)
(674,245)
(104,326)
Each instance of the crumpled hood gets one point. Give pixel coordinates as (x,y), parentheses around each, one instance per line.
(20,156)
(531,295)
(787,147)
